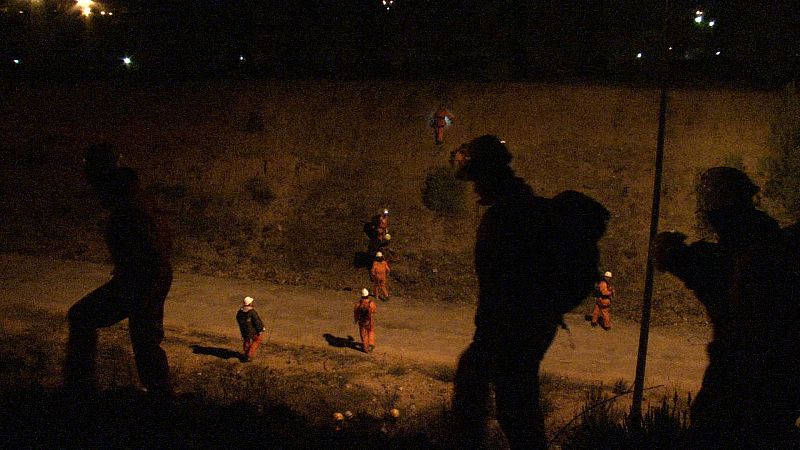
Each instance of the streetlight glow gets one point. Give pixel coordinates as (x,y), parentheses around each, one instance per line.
(698,19)
(639,55)
(711,23)
(126,60)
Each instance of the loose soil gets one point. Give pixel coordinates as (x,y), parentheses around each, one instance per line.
(417,343)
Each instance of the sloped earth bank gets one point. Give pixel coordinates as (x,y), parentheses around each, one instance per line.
(308,349)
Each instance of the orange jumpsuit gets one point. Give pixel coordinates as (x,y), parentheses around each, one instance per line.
(364,315)
(602,304)
(438,124)
(380,277)
(383,224)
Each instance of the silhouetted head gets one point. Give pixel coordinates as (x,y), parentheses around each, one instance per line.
(117,186)
(725,188)
(483,158)
(99,160)
(723,194)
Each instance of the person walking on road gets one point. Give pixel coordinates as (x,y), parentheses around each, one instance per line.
(251,327)
(364,316)
(139,243)
(380,276)
(602,302)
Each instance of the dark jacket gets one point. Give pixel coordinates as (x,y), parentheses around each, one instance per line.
(249,322)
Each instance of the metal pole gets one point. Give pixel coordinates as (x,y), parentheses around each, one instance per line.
(647,300)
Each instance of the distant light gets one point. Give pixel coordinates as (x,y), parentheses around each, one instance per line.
(241,57)
(698,19)
(102,13)
(670,48)
(698,13)
(110,13)
(639,55)
(502,142)
(85,6)
(384,2)
(126,60)
(16,61)
(717,52)
(711,23)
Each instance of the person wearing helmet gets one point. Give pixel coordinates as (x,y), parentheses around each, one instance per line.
(251,327)
(139,242)
(379,273)
(383,222)
(602,301)
(749,282)
(535,259)
(441,119)
(364,316)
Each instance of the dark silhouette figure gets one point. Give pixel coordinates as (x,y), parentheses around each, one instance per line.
(139,244)
(749,283)
(536,258)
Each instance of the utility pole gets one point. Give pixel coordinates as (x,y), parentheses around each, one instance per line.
(647,300)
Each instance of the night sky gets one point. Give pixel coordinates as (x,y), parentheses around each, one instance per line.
(750,42)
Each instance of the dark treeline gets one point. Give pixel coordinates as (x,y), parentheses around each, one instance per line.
(412,39)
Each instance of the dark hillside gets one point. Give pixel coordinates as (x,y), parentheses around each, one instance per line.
(273,180)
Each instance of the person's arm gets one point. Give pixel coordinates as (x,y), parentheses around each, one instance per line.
(257,323)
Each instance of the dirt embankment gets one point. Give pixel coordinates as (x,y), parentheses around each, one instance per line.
(273,180)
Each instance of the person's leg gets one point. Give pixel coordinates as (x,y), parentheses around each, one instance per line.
(371,338)
(517,398)
(606,317)
(472,396)
(364,333)
(101,308)
(595,314)
(254,346)
(147,332)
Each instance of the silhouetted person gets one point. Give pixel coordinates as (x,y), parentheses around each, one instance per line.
(536,258)
(140,250)
(749,283)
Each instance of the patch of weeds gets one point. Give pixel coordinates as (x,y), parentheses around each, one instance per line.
(397,370)
(441,372)
(444,194)
(259,191)
(621,387)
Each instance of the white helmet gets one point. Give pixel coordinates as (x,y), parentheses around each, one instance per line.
(248,301)
(385,212)
(608,274)
(364,292)
(379,255)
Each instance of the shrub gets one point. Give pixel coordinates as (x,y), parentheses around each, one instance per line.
(444,194)
(259,191)
(782,167)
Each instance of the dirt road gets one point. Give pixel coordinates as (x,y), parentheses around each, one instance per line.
(411,330)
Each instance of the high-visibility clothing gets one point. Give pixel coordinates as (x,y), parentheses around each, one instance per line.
(364,315)
(602,304)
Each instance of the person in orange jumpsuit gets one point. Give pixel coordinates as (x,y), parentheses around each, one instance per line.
(441,119)
(383,223)
(602,302)
(380,276)
(364,316)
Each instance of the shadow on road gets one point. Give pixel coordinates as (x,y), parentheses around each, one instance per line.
(223,353)
(348,342)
